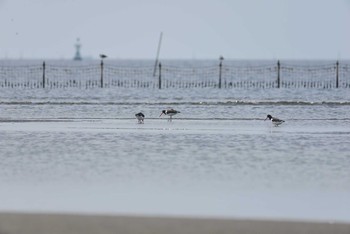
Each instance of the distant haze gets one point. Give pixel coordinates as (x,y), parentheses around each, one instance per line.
(193,29)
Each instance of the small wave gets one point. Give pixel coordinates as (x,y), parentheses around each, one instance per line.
(78,119)
(177,103)
(273,102)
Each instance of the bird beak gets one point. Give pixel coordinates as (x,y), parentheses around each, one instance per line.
(161,114)
(266,118)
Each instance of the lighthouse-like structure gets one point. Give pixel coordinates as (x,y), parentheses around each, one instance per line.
(77,56)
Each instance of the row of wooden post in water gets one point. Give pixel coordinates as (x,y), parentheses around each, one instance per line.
(166,79)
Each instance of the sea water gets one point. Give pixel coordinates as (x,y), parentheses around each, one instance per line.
(82,151)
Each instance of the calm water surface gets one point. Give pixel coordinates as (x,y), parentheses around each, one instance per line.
(83,151)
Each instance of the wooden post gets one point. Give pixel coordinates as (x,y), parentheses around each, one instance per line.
(160,76)
(337,75)
(220,70)
(278,74)
(102,73)
(44,74)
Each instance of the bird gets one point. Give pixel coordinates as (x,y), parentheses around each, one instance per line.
(103,56)
(169,112)
(140,117)
(275,121)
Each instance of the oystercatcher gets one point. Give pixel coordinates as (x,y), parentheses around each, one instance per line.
(140,117)
(169,112)
(276,122)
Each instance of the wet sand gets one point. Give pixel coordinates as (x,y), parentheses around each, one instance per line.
(26,223)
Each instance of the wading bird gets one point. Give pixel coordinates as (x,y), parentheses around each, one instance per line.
(140,117)
(276,122)
(169,112)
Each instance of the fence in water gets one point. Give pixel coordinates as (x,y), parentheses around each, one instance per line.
(221,75)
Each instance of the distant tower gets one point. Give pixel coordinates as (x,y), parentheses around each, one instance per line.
(77,56)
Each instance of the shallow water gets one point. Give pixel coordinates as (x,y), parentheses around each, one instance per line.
(83,151)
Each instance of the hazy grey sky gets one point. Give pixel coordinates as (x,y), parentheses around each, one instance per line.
(201,29)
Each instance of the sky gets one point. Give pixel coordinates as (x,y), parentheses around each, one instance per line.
(192,29)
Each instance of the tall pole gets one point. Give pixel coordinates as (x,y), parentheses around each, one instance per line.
(278,74)
(158,51)
(160,76)
(44,74)
(220,70)
(102,56)
(101,73)
(337,75)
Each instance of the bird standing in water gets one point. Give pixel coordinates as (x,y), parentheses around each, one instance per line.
(169,112)
(140,117)
(275,121)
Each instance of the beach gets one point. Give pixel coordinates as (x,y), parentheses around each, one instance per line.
(34,223)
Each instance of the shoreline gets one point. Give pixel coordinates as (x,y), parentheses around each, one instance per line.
(57,223)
